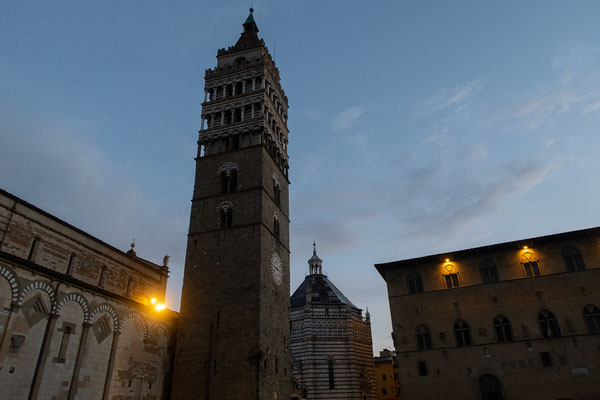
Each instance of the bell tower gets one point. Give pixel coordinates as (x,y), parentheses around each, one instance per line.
(233,340)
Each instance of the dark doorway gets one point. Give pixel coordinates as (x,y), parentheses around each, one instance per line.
(490,388)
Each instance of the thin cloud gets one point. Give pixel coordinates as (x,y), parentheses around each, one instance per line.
(457,97)
(347,118)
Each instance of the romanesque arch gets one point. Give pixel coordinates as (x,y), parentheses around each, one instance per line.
(107,308)
(43,286)
(166,331)
(139,317)
(11,277)
(78,298)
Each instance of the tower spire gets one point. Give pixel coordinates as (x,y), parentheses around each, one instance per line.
(315,264)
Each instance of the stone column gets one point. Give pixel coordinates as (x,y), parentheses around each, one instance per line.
(214,96)
(233,85)
(41,363)
(243,108)
(222,118)
(78,360)
(8,327)
(205,95)
(111,364)
(212,120)
(232,115)
(224,91)
(244,86)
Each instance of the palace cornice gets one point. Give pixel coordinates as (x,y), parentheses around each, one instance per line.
(210,108)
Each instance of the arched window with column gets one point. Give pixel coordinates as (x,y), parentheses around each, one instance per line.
(423,335)
(225,210)
(548,324)
(503,329)
(462,333)
(228,177)
(572,258)
(276,224)
(591,316)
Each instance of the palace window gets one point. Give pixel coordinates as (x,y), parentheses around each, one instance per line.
(67,331)
(548,324)
(489,272)
(591,316)
(462,333)
(531,268)
(503,329)
(423,334)
(415,283)
(422,368)
(573,259)
(451,280)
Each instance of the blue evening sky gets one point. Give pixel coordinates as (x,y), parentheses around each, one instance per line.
(416,127)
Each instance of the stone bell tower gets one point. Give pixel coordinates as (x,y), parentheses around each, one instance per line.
(233,340)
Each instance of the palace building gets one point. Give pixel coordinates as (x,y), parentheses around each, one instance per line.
(77,316)
(233,340)
(331,345)
(515,320)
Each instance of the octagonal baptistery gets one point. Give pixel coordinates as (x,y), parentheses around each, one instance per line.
(330,342)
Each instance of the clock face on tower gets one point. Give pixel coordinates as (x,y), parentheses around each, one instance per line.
(276,268)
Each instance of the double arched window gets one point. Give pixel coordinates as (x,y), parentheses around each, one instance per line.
(423,334)
(462,333)
(225,210)
(572,259)
(276,224)
(591,316)
(503,329)
(489,272)
(415,283)
(548,324)
(228,177)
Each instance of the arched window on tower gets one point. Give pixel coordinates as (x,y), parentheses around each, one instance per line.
(503,329)
(423,334)
(462,333)
(548,324)
(228,177)
(225,210)
(276,192)
(591,316)
(276,225)
(572,259)
(331,375)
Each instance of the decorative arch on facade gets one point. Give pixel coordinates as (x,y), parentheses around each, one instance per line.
(225,206)
(107,308)
(139,317)
(78,298)
(43,286)
(11,277)
(165,329)
(227,168)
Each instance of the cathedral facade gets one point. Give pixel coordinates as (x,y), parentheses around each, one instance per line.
(233,340)
(331,345)
(77,316)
